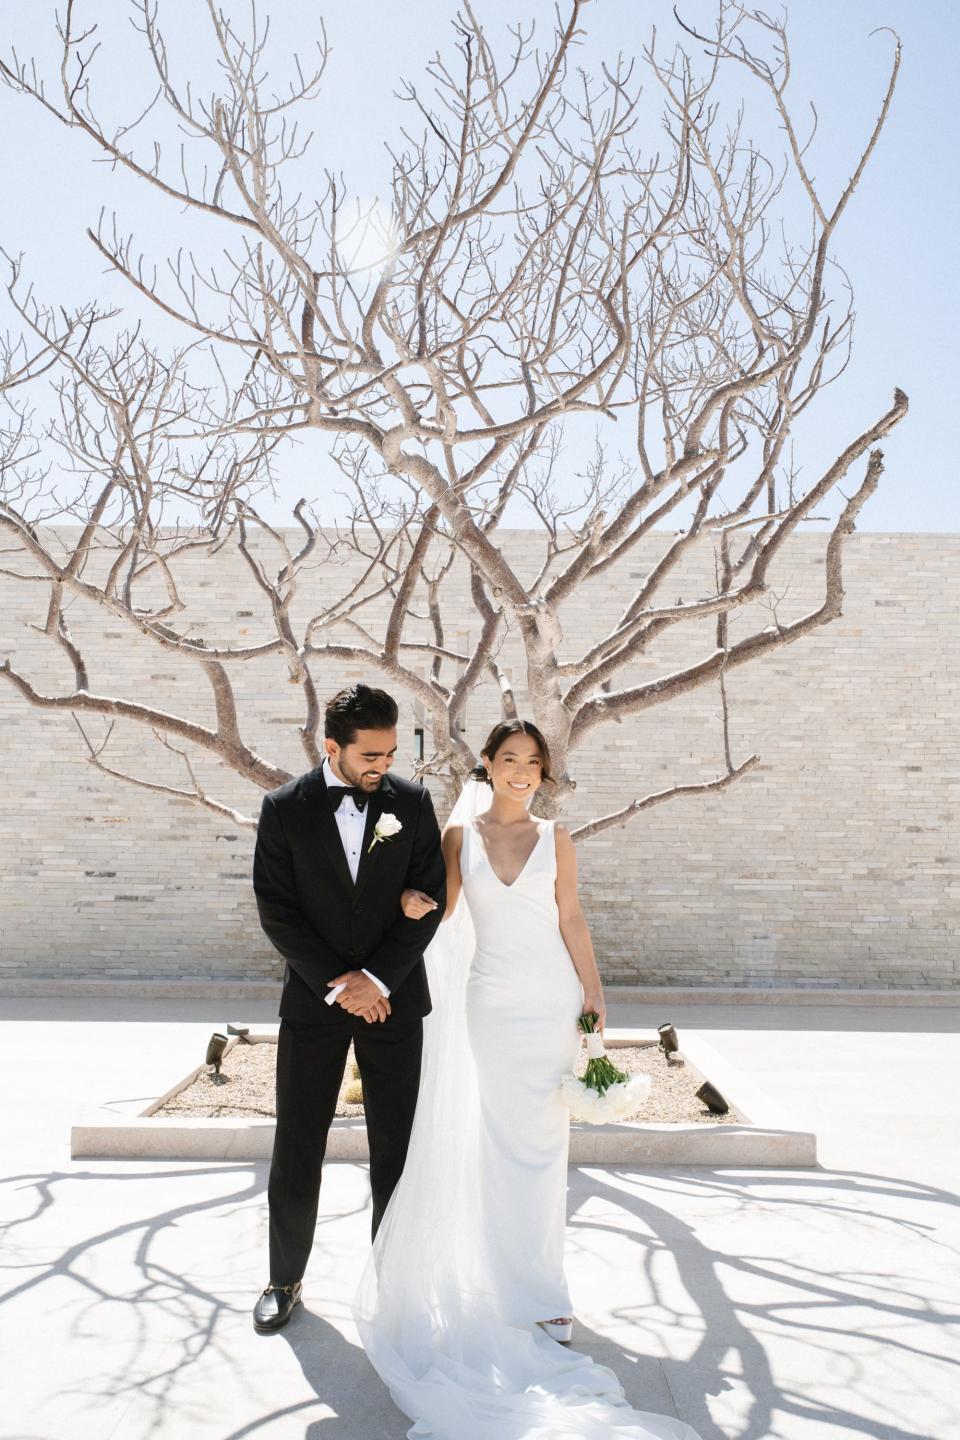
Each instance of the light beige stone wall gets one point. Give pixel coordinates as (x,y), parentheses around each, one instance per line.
(836,861)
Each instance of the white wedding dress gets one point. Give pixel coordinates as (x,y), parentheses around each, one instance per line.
(469,1255)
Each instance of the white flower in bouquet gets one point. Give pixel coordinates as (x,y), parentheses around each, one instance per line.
(604,1094)
(596,1108)
(387,825)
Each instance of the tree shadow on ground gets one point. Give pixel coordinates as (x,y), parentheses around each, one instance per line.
(809,1304)
(172,1322)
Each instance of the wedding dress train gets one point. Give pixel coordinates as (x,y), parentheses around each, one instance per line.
(469,1255)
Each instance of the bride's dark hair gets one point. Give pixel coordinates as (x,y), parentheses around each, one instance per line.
(502,732)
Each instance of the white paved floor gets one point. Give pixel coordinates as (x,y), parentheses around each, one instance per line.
(802,1305)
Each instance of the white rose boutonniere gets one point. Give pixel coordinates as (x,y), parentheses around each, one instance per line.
(387,826)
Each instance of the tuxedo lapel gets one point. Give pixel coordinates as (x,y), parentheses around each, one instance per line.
(315,795)
(382,799)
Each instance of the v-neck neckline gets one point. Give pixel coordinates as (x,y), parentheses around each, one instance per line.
(520,873)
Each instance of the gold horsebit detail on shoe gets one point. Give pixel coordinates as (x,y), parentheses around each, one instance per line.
(287,1289)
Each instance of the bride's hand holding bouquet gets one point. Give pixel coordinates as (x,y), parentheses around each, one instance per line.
(604,1094)
(594,1004)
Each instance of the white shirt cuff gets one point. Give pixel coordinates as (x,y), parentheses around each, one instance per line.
(331,997)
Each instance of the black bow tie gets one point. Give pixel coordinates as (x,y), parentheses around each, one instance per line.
(337,792)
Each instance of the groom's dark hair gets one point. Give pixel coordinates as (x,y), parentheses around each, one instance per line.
(359,707)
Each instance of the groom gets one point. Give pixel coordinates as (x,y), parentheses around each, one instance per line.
(335,850)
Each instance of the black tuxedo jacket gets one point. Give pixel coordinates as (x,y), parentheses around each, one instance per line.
(321,923)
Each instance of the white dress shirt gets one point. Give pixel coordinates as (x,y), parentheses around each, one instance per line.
(351,823)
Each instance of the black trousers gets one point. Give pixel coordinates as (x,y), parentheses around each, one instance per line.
(311,1059)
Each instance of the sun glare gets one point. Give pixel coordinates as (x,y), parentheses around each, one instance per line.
(369,238)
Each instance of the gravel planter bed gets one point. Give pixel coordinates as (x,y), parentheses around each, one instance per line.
(197,1119)
(248,1083)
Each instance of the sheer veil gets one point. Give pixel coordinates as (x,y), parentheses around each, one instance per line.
(424,1308)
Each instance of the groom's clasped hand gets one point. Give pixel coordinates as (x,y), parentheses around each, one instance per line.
(360,996)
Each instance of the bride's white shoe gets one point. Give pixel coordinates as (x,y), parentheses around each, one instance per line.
(560,1329)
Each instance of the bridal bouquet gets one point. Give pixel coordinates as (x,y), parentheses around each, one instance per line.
(604,1094)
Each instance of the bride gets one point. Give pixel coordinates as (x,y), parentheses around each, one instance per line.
(464,1299)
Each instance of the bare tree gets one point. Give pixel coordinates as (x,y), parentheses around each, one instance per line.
(535,262)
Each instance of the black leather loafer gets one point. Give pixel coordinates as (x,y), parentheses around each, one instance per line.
(275,1306)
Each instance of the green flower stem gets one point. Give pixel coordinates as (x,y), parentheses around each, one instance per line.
(601,1072)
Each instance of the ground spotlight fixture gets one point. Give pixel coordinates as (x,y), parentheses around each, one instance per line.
(668,1038)
(712,1098)
(215,1051)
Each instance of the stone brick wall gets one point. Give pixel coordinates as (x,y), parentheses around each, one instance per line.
(835,862)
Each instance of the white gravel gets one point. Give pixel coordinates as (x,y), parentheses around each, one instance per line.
(248,1086)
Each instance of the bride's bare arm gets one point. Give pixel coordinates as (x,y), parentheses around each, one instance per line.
(450,842)
(415,904)
(573,926)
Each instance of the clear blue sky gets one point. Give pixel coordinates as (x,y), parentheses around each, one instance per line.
(898,241)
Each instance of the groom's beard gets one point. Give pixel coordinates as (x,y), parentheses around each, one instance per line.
(355,776)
